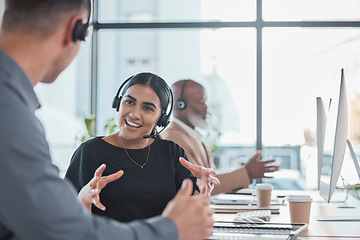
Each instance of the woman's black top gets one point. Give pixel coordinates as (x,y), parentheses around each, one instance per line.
(139,193)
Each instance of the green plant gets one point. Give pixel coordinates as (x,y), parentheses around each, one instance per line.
(90,127)
(110,126)
(90,122)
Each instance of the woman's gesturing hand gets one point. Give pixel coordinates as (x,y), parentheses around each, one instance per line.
(89,194)
(205,180)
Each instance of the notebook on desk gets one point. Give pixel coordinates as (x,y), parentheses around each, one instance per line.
(223,208)
(235,230)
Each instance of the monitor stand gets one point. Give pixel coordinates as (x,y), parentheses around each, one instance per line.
(346,188)
(341,218)
(344,203)
(353,156)
(357,167)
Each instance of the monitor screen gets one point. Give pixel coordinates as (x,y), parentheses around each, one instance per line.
(334,141)
(321,114)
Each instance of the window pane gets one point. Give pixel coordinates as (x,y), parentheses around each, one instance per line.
(300,64)
(64,104)
(175,11)
(311,10)
(222,60)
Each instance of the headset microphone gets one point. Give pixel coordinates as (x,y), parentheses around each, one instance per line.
(151,136)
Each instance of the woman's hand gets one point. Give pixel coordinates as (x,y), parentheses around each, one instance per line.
(205,181)
(89,194)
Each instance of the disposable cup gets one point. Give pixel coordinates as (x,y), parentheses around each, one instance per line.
(299,207)
(263,194)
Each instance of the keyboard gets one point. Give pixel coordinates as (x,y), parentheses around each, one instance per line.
(258,216)
(252,228)
(234,236)
(256,231)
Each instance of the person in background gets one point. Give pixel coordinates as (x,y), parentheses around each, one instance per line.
(153,171)
(190,111)
(38,40)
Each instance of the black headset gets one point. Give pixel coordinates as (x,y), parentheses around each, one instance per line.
(164,119)
(82,30)
(181,103)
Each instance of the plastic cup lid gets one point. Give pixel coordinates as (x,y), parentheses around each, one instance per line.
(299,198)
(262,186)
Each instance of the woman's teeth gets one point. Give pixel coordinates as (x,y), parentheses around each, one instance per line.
(133,124)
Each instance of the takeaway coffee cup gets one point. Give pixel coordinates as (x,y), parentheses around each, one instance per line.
(263,194)
(299,206)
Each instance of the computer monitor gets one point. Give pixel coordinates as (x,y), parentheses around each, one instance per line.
(334,141)
(321,114)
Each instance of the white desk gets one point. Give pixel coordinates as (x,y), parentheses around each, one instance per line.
(319,230)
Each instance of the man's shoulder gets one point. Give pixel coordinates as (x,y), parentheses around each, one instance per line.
(179,137)
(173,130)
(174,126)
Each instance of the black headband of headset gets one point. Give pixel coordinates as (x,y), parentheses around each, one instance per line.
(116,101)
(181,103)
(182,90)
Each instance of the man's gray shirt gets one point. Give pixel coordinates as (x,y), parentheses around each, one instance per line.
(35,203)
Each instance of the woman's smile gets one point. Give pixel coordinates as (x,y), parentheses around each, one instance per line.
(132,124)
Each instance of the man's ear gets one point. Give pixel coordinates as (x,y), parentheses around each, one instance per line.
(68,38)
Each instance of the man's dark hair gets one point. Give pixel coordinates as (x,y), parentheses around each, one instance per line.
(41,16)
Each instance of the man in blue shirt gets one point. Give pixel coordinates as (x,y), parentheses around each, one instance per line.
(38,40)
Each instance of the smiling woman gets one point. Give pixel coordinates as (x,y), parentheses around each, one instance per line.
(139,112)
(152,169)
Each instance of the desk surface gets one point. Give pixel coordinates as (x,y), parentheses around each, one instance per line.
(318,229)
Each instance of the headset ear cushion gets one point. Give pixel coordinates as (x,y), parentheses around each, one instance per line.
(80,31)
(84,31)
(181,104)
(76,29)
(163,120)
(116,103)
